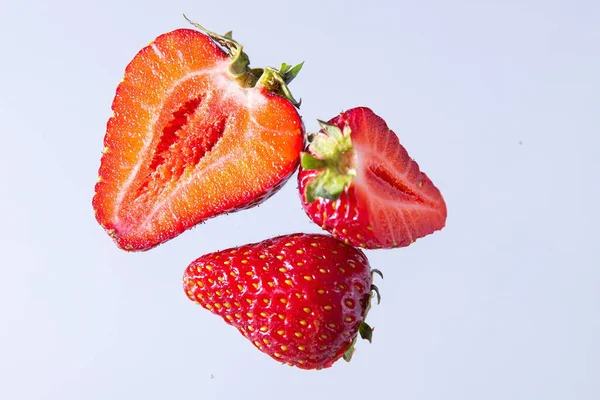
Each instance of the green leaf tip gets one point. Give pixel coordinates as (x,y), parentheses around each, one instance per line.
(365,331)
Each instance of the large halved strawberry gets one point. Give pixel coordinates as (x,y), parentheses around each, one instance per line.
(195,133)
(358,182)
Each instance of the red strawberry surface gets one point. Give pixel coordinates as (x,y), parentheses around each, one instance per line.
(299,298)
(358,182)
(195,133)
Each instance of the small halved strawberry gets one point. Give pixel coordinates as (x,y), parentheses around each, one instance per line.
(299,298)
(195,133)
(358,182)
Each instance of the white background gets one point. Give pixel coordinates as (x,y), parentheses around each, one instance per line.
(498,102)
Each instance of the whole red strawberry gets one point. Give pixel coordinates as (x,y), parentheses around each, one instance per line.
(358,182)
(299,298)
(195,133)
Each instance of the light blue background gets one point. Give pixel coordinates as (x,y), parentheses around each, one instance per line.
(498,102)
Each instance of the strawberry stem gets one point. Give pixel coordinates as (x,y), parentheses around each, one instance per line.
(275,80)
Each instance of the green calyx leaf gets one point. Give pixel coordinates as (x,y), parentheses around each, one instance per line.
(275,80)
(365,331)
(330,151)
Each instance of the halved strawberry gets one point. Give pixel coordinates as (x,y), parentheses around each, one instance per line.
(358,182)
(195,133)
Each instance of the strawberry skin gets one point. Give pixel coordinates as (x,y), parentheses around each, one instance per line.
(299,298)
(195,133)
(359,183)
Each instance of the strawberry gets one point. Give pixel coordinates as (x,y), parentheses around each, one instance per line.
(195,133)
(299,298)
(358,182)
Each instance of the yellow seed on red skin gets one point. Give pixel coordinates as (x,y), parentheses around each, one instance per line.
(284,348)
(218,305)
(358,236)
(281,316)
(322,270)
(283,269)
(250,328)
(249,314)
(313,244)
(271,284)
(227,262)
(249,273)
(341,286)
(210,280)
(279,257)
(219,293)
(266,341)
(266,301)
(210,307)
(288,244)
(328,308)
(288,282)
(277,355)
(238,316)
(221,279)
(237,304)
(255,285)
(190,293)
(232,273)
(233,251)
(301,348)
(331,325)
(300,251)
(342,270)
(303,322)
(298,334)
(257,343)
(209,267)
(323,336)
(244,261)
(240,287)
(284,301)
(321,291)
(348,319)
(249,301)
(349,303)
(306,310)
(352,265)
(263,314)
(344,231)
(265,268)
(308,278)
(227,305)
(280,332)
(262,256)
(229,317)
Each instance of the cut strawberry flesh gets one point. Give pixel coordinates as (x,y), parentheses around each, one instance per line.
(388,201)
(187,143)
(401,201)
